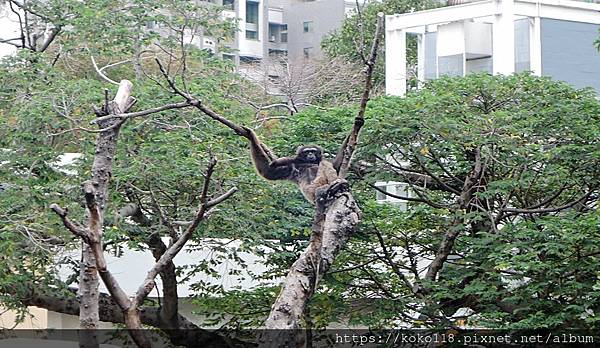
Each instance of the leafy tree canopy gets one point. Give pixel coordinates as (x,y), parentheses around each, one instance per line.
(526,248)
(354,39)
(502,169)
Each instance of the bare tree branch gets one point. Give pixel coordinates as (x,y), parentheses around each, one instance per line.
(75,228)
(550,209)
(344,156)
(100,73)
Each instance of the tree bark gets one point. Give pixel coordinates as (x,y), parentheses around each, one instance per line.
(185,334)
(89,295)
(106,144)
(341,218)
(101,172)
(330,233)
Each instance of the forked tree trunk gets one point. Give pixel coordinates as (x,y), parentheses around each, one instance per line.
(329,236)
(341,218)
(106,145)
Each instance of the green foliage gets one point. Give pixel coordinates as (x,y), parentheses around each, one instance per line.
(355,37)
(112,27)
(539,142)
(537,138)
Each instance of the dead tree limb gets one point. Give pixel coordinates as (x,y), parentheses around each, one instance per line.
(341,217)
(95,192)
(344,156)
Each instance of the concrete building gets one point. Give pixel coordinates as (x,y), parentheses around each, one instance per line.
(292,28)
(310,21)
(130,268)
(248,42)
(548,37)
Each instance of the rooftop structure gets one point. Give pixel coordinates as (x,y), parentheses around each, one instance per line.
(548,37)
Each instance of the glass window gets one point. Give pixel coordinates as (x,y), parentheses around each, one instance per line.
(283,37)
(251,35)
(307,52)
(228,4)
(251,12)
(307,27)
(277,53)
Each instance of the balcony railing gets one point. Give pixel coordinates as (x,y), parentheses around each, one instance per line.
(458,2)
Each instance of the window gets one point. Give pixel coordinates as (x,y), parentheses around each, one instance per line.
(307,52)
(252,12)
(249,60)
(251,35)
(277,53)
(228,4)
(252,20)
(283,33)
(307,27)
(274,31)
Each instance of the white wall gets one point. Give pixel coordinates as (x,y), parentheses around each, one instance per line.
(9,28)
(246,47)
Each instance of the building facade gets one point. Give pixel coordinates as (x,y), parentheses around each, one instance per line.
(292,28)
(548,37)
(266,28)
(310,21)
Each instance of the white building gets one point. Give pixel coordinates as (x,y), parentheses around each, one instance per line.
(131,267)
(549,37)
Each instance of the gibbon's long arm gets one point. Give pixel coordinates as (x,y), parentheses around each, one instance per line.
(266,166)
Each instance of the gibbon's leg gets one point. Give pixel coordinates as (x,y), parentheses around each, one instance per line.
(320,205)
(321,199)
(336,187)
(325,176)
(325,194)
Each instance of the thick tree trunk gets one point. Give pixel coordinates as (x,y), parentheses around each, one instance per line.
(106,145)
(89,294)
(186,334)
(341,218)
